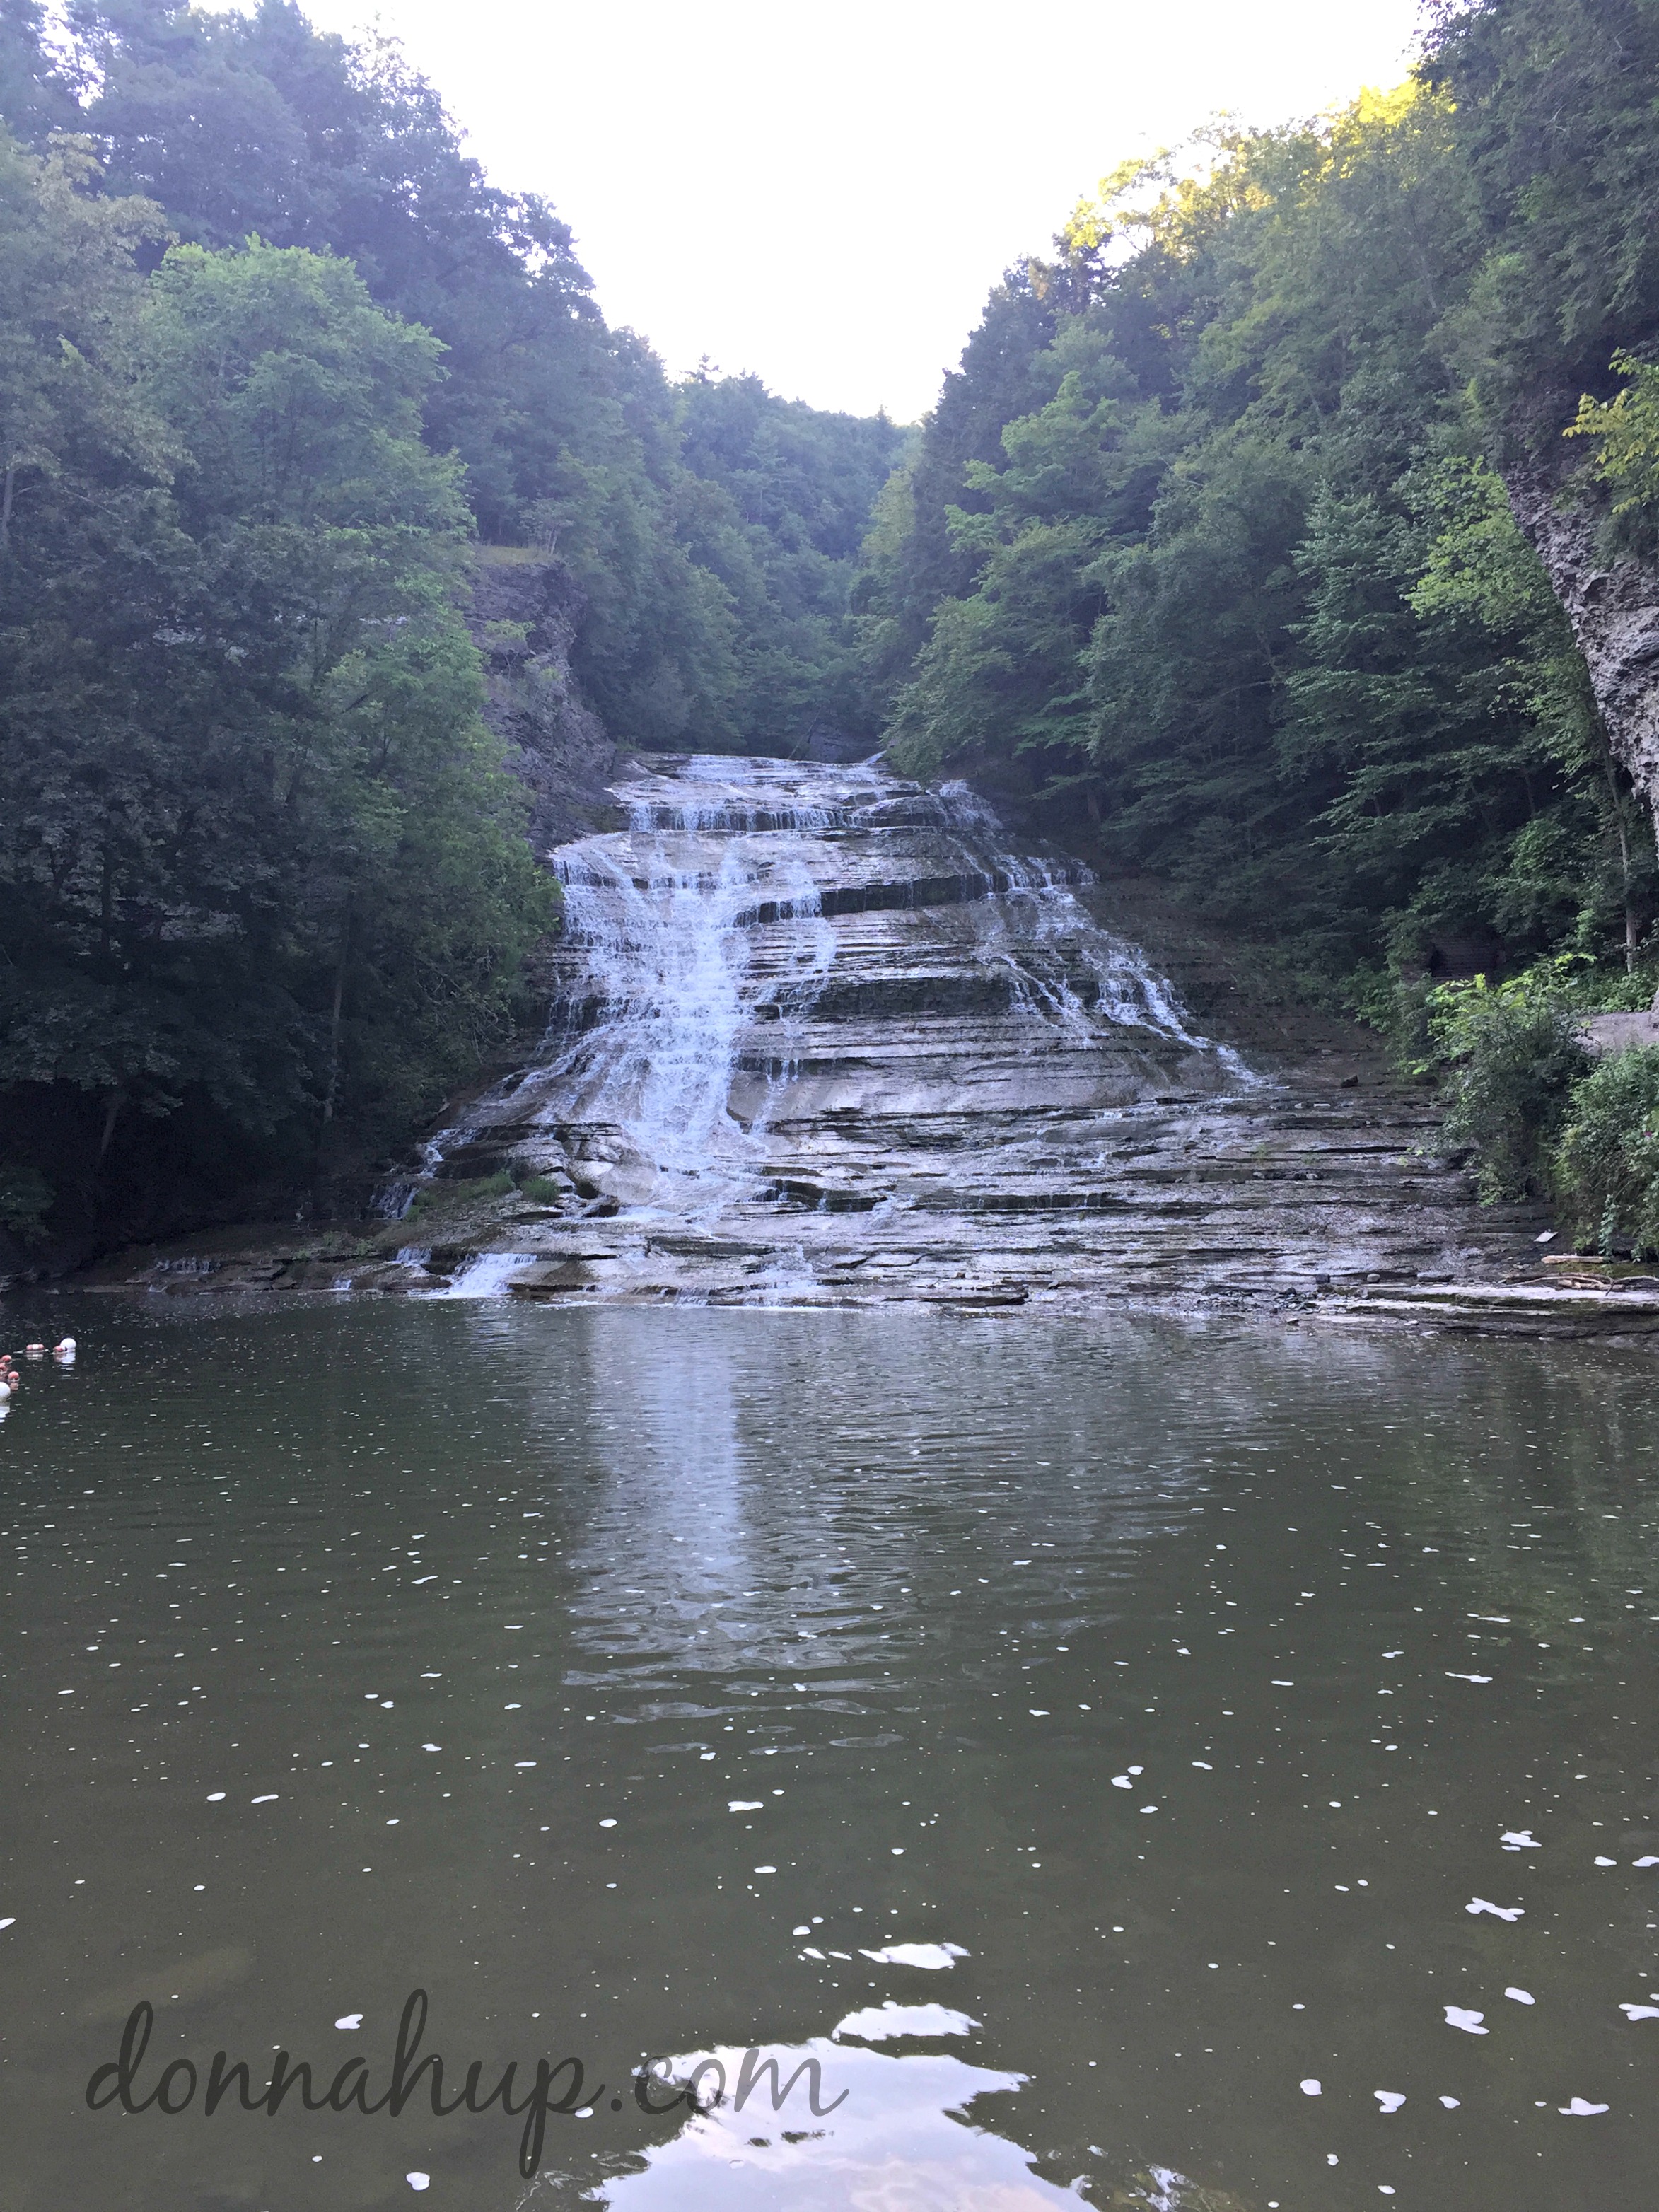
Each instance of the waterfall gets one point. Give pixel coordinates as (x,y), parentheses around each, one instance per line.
(665,983)
(788,990)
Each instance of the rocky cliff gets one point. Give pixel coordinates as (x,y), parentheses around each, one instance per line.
(523,619)
(1612,606)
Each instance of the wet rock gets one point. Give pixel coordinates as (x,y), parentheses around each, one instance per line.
(821,1036)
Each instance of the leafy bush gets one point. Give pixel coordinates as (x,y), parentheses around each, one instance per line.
(541,1190)
(1512,1057)
(1606,1163)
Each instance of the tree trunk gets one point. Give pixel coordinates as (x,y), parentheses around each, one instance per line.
(112,1106)
(1614,609)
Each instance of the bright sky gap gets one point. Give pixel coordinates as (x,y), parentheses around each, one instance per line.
(826,196)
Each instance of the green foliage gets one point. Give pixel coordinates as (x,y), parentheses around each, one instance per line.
(1606,1163)
(263,874)
(1224,568)
(914,561)
(1552,108)
(265,896)
(1512,1055)
(783,496)
(1625,429)
(437,1204)
(714,627)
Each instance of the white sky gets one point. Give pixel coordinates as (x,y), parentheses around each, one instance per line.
(826,194)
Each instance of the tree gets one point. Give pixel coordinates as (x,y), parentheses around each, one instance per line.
(267,881)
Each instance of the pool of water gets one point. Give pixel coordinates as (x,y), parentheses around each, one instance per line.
(1200,1769)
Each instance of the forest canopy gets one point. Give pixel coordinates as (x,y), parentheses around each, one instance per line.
(1209,539)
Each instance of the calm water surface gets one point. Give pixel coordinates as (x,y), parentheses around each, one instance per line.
(630,1682)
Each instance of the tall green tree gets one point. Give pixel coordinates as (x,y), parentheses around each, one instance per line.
(782,500)
(266,883)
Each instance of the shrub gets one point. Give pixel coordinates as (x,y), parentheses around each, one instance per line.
(1606,1165)
(1512,1055)
(541,1190)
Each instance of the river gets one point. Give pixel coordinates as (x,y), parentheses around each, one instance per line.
(1202,1768)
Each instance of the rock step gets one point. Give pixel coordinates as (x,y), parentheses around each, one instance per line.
(819,1037)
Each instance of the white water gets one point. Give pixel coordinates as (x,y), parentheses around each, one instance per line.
(668,962)
(670,977)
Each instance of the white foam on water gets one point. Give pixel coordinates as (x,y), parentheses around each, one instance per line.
(1460,2016)
(1168,2186)
(1581,2109)
(1389,2100)
(1479,1904)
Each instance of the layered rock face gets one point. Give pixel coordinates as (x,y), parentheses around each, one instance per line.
(523,620)
(1612,606)
(819,1035)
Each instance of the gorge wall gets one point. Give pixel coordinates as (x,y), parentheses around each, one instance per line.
(523,618)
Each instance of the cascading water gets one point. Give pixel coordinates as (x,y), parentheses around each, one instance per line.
(787,996)
(665,989)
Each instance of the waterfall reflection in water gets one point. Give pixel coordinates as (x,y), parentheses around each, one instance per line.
(743,1591)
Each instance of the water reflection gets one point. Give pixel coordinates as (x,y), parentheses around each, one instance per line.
(903,2142)
(1076,1739)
